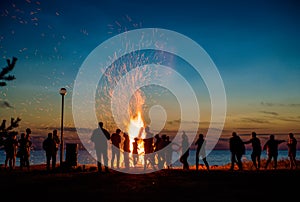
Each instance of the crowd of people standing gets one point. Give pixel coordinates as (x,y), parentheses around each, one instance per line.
(155,144)
(18,148)
(157,151)
(21,148)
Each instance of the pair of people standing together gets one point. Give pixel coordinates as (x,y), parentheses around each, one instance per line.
(50,145)
(200,151)
(99,137)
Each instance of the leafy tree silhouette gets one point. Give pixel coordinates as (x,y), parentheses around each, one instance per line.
(3,74)
(4,78)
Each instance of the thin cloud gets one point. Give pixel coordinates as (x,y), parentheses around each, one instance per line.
(290,119)
(294,105)
(271,113)
(267,104)
(4,104)
(177,121)
(71,129)
(270,104)
(249,128)
(254,120)
(174,122)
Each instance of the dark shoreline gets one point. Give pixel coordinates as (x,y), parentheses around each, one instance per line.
(164,185)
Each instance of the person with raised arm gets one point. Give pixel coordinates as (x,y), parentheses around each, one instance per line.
(256,150)
(271,146)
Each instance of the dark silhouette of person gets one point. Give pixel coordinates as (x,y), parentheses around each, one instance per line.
(292,149)
(115,148)
(256,150)
(158,146)
(126,149)
(166,158)
(23,145)
(200,152)
(29,145)
(149,157)
(169,150)
(157,142)
(135,153)
(56,140)
(10,147)
(185,151)
(99,137)
(272,150)
(237,149)
(50,148)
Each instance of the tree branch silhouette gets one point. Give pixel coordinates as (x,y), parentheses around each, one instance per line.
(4,78)
(3,74)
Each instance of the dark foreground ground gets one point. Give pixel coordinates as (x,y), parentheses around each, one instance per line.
(165,185)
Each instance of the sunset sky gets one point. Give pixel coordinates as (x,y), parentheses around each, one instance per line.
(254,44)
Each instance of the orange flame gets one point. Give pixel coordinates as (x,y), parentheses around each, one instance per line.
(135,125)
(135,129)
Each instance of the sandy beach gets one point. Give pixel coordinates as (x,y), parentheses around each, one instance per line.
(218,184)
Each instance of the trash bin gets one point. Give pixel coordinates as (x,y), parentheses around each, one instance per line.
(71,154)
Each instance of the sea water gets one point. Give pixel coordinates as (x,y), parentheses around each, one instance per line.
(214,158)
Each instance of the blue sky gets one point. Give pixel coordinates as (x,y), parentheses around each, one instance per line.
(254,44)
